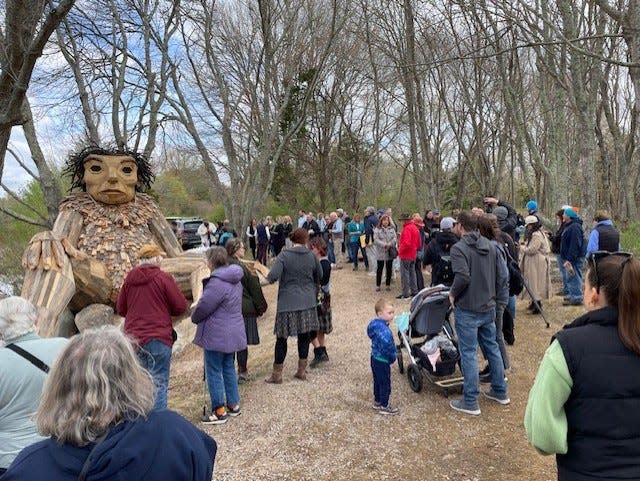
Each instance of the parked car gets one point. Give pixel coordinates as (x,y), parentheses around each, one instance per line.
(185,229)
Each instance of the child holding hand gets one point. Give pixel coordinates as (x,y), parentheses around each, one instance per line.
(383,354)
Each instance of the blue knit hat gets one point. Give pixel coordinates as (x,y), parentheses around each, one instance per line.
(570,213)
(532,205)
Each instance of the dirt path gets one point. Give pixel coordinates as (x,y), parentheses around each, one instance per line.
(325,428)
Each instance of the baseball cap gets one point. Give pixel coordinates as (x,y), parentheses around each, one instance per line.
(447,223)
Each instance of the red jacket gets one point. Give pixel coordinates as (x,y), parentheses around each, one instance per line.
(409,242)
(147,300)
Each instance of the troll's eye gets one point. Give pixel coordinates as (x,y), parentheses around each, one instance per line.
(127,170)
(95,168)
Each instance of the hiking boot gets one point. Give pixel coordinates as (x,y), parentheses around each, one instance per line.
(276,375)
(217,417)
(387,288)
(301,373)
(461,406)
(376,405)
(317,357)
(377,288)
(234,411)
(490,394)
(388,410)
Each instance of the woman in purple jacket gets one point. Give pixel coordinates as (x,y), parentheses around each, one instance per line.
(220,333)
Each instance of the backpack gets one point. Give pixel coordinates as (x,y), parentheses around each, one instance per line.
(445,270)
(516,280)
(224,237)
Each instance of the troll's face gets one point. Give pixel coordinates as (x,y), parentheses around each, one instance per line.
(110,179)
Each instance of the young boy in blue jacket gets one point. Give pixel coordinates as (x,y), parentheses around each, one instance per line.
(383,354)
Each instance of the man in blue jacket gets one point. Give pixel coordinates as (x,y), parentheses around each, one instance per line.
(572,252)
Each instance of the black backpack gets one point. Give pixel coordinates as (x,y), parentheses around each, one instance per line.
(445,271)
(516,280)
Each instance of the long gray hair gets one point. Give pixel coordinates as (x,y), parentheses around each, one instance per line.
(17,317)
(96,383)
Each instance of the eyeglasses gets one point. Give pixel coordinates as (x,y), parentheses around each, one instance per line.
(594,257)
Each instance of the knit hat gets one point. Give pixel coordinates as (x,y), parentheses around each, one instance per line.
(447,223)
(500,212)
(532,205)
(148,251)
(570,213)
(530,219)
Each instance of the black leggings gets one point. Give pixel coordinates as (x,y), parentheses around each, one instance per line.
(381,265)
(242,357)
(303,347)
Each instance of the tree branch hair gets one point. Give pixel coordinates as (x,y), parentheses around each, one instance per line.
(75,166)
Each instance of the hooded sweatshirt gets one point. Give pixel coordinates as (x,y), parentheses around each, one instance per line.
(299,272)
(477,274)
(219,312)
(147,300)
(163,446)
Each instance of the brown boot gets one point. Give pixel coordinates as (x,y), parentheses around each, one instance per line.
(301,373)
(276,375)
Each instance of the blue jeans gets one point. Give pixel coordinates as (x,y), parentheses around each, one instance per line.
(155,357)
(574,282)
(381,381)
(475,328)
(511,306)
(502,346)
(221,379)
(354,248)
(331,254)
(563,274)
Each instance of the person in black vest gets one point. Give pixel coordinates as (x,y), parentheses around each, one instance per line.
(603,237)
(583,405)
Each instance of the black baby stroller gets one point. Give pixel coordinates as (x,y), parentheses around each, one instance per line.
(429,319)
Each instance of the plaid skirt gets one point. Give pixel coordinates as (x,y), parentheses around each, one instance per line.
(293,323)
(324,313)
(251,329)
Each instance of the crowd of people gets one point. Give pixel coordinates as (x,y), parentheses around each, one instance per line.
(109,386)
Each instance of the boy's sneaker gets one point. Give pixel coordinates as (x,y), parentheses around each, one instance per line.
(388,410)
(377,406)
(234,411)
(504,400)
(459,405)
(215,418)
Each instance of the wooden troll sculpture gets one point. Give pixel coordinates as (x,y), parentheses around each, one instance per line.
(97,234)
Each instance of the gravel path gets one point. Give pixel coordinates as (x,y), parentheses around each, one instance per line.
(325,429)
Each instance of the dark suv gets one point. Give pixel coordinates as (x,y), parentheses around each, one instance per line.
(185,229)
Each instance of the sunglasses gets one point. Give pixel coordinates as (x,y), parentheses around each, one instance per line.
(594,257)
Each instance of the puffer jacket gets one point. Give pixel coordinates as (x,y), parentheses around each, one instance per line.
(219,312)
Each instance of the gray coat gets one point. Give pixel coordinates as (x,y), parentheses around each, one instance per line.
(477,273)
(299,272)
(382,236)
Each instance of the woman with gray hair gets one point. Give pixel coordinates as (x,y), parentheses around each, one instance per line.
(97,408)
(24,359)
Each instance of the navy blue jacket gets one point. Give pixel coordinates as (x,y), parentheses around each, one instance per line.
(165,446)
(602,410)
(572,244)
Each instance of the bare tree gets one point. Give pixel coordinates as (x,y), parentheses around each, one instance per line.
(29,24)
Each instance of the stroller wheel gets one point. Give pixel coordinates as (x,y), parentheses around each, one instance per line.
(415,378)
(400,361)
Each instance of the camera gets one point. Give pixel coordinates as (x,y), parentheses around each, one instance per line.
(488,208)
